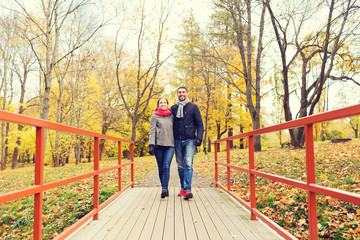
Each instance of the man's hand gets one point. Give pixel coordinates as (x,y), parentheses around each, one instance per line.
(151,149)
(198,142)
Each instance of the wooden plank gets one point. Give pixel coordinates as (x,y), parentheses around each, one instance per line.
(140,212)
(126,222)
(158,230)
(147,230)
(169,227)
(241,216)
(142,220)
(117,207)
(199,224)
(232,211)
(209,225)
(119,221)
(237,229)
(212,216)
(179,217)
(190,231)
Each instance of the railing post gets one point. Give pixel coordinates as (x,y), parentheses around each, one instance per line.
(228,162)
(132,164)
(310,171)
(39,180)
(252,177)
(216,165)
(119,163)
(96,177)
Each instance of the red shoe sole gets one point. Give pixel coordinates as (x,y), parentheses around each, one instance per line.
(188,196)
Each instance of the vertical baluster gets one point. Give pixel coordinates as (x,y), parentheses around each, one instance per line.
(96,177)
(310,171)
(252,176)
(132,164)
(119,163)
(216,165)
(228,162)
(39,180)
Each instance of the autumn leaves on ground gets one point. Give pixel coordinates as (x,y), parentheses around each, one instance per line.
(337,166)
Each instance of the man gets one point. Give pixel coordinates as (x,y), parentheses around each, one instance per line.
(188,132)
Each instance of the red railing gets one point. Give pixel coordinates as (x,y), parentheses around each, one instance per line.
(311,186)
(39,187)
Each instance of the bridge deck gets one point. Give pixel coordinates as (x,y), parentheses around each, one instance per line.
(140,213)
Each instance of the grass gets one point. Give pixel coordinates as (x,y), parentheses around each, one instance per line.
(337,166)
(63,205)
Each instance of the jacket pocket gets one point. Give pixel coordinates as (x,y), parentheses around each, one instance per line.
(189,131)
(158,137)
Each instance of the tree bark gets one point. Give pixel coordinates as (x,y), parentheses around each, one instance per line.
(244,42)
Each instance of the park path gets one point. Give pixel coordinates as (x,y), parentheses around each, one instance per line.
(152,179)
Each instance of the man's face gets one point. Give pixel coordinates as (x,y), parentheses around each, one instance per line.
(182,94)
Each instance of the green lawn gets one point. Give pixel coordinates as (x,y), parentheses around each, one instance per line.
(64,205)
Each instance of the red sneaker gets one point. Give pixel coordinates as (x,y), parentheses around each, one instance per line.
(181,193)
(188,195)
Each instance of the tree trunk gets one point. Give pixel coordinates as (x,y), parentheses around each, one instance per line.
(101,147)
(356,130)
(206,122)
(229,113)
(280,137)
(219,133)
(209,145)
(7,140)
(16,149)
(133,129)
(78,150)
(241,144)
(89,156)
(3,156)
(21,111)
(57,149)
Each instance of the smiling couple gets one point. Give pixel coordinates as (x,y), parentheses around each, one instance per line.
(178,129)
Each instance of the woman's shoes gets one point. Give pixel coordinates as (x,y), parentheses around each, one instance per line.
(164,193)
(181,193)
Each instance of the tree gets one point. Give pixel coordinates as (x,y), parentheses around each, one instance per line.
(355,123)
(84,93)
(195,68)
(326,46)
(23,64)
(7,49)
(56,14)
(239,20)
(108,99)
(137,83)
(198,71)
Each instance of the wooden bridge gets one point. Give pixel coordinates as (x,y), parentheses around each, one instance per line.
(140,213)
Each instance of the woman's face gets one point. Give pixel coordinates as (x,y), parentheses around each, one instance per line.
(162,103)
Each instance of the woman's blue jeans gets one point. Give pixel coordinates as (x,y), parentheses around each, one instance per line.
(184,151)
(164,156)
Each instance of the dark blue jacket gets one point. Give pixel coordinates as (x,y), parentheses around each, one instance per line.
(191,125)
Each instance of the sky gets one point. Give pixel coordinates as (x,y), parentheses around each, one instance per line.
(202,9)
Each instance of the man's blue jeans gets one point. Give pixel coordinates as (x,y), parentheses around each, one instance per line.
(164,156)
(184,152)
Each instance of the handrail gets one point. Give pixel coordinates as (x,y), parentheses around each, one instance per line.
(39,187)
(311,186)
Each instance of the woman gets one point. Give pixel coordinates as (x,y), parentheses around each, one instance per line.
(161,142)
